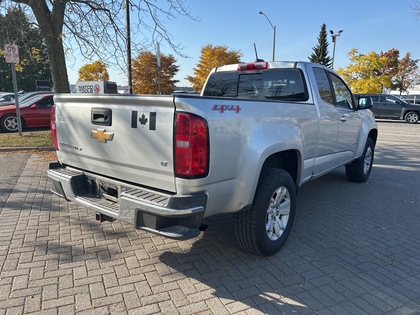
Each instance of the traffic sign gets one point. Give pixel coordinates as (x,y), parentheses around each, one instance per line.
(11,53)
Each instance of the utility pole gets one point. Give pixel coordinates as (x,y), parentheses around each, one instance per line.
(130,73)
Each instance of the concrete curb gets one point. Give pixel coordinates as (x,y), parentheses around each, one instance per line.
(11,149)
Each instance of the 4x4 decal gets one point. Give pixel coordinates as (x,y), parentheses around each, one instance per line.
(227,108)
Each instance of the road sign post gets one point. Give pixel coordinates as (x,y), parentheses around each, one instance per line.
(158,65)
(11,54)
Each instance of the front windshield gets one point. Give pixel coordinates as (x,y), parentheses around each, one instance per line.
(24,96)
(30,100)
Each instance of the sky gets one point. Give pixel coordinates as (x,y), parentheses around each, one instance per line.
(368,25)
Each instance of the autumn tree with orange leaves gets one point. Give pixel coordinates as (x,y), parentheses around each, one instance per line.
(95,71)
(363,75)
(145,73)
(212,56)
(97,28)
(403,72)
(374,73)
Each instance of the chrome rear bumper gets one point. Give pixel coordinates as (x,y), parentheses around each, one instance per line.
(170,215)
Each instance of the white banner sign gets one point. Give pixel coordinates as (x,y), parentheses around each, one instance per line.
(11,53)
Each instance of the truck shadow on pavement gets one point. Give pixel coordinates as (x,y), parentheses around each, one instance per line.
(280,283)
(353,247)
(349,249)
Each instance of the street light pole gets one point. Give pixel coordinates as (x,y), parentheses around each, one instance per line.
(334,39)
(274,33)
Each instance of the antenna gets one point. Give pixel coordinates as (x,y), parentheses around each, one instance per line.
(256,54)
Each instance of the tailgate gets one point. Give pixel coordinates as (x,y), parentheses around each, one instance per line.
(126,137)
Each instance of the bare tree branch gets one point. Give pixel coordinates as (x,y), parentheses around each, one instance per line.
(97,28)
(416,8)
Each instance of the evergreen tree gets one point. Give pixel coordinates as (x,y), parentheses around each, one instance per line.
(320,51)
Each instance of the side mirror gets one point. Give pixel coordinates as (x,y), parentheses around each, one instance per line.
(33,106)
(364,102)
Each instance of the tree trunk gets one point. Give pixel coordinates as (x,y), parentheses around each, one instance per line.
(58,65)
(51,25)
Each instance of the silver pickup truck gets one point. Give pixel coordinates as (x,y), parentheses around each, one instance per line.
(256,133)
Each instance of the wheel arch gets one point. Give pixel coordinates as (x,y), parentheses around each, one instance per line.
(373,134)
(288,160)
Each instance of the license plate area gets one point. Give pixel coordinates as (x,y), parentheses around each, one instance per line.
(98,188)
(108,191)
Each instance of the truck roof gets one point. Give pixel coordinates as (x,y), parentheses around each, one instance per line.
(261,65)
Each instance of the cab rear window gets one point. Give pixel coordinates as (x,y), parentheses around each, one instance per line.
(278,84)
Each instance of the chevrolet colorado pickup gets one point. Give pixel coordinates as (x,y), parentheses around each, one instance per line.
(257,132)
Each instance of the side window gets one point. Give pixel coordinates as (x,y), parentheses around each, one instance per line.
(343,96)
(46,102)
(392,100)
(374,98)
(285,84)
(323,85)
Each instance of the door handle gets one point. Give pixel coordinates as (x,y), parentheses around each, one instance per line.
(101,116)
(345,117)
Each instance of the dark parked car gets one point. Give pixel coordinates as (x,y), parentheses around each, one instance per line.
(34,112)
(391,107)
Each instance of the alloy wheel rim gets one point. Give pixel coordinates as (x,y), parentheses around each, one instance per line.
(412,118)
(11,124)
(278,213)
(367,161)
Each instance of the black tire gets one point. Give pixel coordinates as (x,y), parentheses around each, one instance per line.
(359,170)
(9,123)
(255,229)
(412,117)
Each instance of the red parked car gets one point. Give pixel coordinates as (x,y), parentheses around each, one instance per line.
(34,112)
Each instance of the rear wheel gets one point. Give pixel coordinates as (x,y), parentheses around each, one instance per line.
(9,123)
(412,117)
(359,170)
(264,228)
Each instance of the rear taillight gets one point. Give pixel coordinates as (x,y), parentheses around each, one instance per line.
(53,127)
(191,146)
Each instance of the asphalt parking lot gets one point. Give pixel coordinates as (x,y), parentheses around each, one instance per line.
(354,249)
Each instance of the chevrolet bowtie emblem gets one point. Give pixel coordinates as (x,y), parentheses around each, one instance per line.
(102,135)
